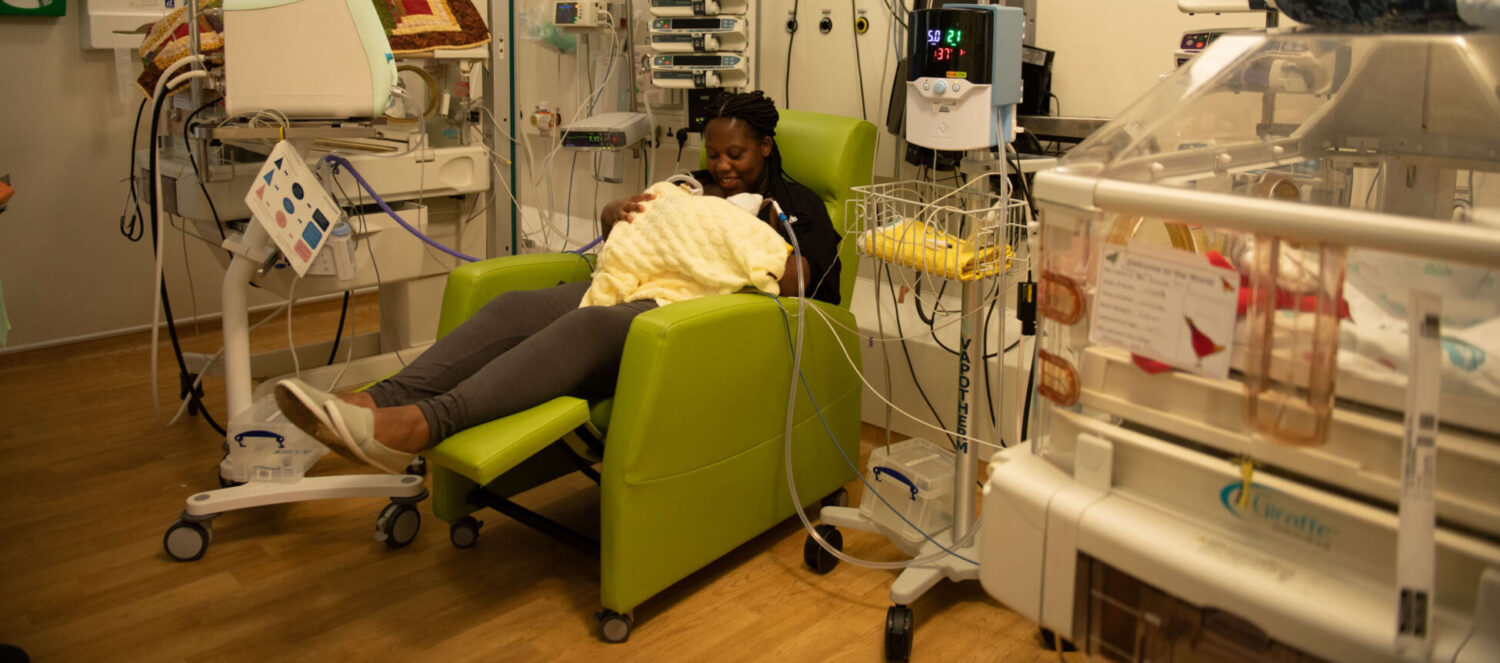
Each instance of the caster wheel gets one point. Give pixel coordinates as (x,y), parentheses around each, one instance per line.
(418,467)
(899,623)
(397,525)
(464,532)
(838,497)
(817,558)
(613,626)
(186,541)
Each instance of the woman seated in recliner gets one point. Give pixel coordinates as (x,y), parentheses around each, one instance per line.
(527,347)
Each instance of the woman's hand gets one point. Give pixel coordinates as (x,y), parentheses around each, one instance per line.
(620,210)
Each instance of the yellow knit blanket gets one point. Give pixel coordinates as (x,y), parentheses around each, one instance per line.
(685,246)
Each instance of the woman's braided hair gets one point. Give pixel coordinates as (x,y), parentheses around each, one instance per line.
(758,113)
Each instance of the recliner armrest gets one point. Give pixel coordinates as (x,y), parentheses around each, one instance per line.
(704,380)
(472,286)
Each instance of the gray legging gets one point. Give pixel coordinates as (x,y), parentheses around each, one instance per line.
(522,349)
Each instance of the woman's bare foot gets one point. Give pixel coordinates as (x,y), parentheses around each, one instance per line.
(402,428)
(359,398)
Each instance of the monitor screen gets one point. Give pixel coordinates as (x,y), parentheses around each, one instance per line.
(951,43)
(566,13)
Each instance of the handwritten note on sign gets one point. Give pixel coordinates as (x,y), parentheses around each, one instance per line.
(1171,306)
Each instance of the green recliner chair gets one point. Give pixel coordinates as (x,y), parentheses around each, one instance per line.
(691,447)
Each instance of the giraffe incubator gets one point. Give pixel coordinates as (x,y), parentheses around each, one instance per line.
(1268,363)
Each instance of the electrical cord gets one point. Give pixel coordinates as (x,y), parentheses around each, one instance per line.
(193,161)
(858,62)
(341,162)
(133,228)
(337,335)
(161,302)
(797,376)
(790,39)
(910,366)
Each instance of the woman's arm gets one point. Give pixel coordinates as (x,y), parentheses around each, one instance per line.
(789,277)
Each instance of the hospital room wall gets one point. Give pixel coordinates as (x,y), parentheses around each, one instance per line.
(561,81)
(1107,55)
(66,271)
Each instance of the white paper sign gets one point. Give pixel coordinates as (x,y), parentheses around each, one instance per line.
(294,208)
(1171,306)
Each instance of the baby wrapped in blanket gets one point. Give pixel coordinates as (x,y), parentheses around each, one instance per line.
(684,246)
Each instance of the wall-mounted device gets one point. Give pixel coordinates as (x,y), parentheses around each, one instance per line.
(964,76)
(698,7)
(698,34)
(1193,43)
(578,15)
(606,131)
(689,71)
(117,23)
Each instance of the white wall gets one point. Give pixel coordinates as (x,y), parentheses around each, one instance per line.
(65,141)
(1107,54)
(1110,53)
(66,271)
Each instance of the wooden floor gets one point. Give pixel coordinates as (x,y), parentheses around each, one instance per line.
(90,481)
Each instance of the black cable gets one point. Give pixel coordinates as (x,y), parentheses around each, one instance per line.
(858,65)
(182,370)
(133,229)
(1056,106)
(1026,408)
(891,283)
(892,9)
(786,94)
(338,335)
(187,141)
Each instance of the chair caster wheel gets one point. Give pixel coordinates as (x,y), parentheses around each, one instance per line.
(838,497)
(899,623)
(186,541)
(464,532)
(815,556)
(613,626)
(418,467)
(397,525)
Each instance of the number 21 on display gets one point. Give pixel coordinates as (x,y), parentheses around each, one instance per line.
(949,38)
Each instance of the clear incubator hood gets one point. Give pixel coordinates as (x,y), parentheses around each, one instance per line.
(1235,262)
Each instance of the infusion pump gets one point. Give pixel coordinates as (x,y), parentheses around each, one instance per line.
(693,71)
(699,7)
(698,34)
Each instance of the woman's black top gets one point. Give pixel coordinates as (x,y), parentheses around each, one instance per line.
(816,235)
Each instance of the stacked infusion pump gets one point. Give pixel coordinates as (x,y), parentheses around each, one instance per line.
(699,44)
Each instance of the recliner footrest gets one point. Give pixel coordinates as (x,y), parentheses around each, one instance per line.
(485,452)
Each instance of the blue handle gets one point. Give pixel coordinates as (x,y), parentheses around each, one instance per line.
(879,470)
(240,438)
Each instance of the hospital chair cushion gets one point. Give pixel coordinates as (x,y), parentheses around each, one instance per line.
(681,246)
(484,452)
(472,286)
